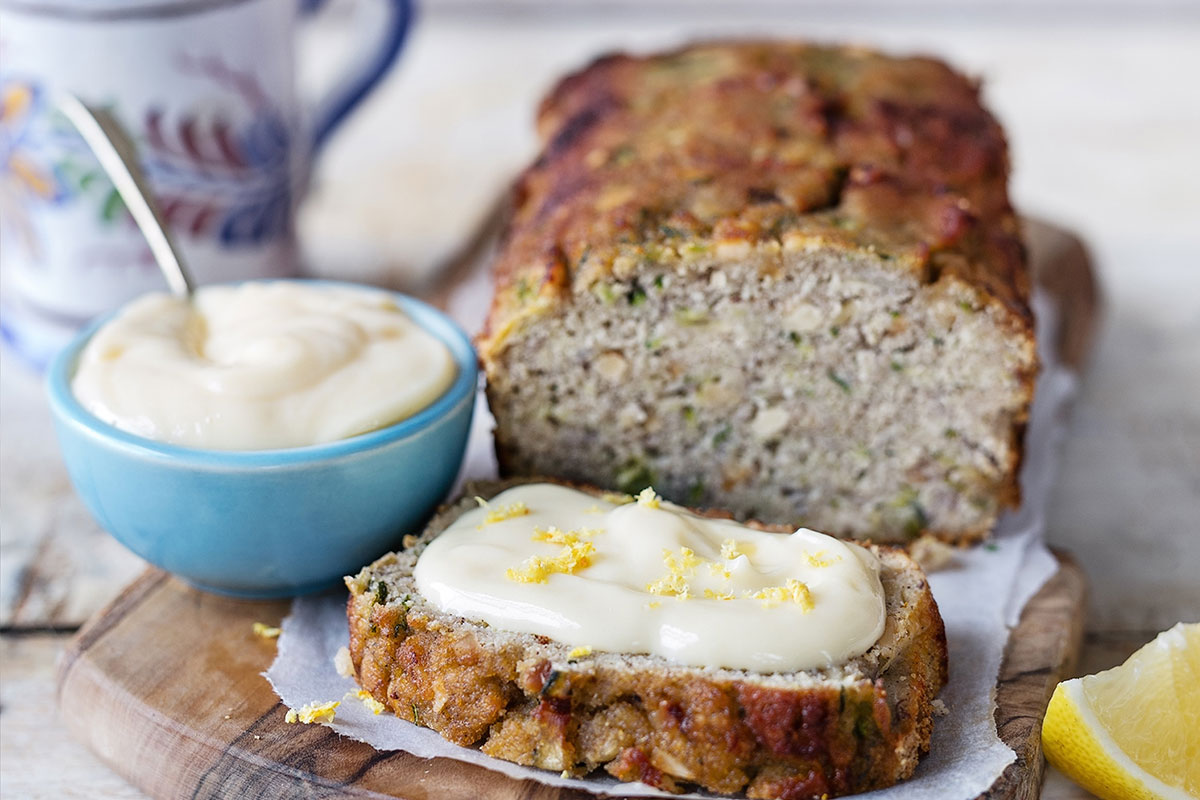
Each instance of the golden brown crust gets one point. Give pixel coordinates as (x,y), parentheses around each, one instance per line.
(724,730)
(721,144)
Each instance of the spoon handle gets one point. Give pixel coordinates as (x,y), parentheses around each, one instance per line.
(118,158)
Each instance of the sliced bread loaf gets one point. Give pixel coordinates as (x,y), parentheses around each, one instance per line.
(858,726)
(779,279)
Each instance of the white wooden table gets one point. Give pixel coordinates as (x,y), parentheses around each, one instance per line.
(1103,117)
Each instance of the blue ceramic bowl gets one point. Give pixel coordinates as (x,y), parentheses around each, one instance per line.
(268,523)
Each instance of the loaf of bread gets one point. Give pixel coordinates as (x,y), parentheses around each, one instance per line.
(858,726)
(779,279)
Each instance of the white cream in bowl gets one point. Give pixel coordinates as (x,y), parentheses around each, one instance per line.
(261,366)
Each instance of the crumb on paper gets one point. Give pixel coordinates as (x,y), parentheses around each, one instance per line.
(931,553)
(370,702)
(409,540)
(312,712)
(939,708)
(343,663)
(265,631)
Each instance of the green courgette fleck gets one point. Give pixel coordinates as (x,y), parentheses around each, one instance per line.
(604,292)
(865,726)
(839,380)
(795,337)
(634,477)
(636,296)
(834,331)
(720,436)
(658,281)
(897,366)
(671,232)
(691,316)
(524,290)
(695,493)
(551,680)
(381,593)
(416,716)
(950,433)
(689,413)
(918,522)
(622,155)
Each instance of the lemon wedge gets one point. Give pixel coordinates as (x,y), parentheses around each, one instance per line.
(1133,732)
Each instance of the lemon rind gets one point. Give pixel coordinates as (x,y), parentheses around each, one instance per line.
(1131,772)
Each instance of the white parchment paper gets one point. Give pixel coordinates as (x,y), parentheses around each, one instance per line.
(980,596)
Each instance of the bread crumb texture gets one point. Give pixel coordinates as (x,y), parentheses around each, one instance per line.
(573,710)
(779,279)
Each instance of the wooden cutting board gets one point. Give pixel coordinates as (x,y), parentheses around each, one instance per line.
(165,683)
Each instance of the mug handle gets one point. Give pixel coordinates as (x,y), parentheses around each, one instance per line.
(348,92)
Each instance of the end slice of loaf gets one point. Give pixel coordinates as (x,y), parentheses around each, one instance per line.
(859,726)
(775,278)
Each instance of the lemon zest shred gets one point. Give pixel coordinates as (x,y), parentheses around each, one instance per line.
(730,549)
(617,498)
(674,583)
(719,570)
(647,498)
(265,631)
(312,712)
(795,591)
(820,559)
(554,536)
(510,511)
(370,702)
(579,652)
(574,556)
(712,594)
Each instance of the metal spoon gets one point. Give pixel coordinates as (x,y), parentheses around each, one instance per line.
(118,158)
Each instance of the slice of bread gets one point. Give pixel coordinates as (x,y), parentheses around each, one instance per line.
(858,726)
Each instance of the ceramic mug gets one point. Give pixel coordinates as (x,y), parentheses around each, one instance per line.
(207,89)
